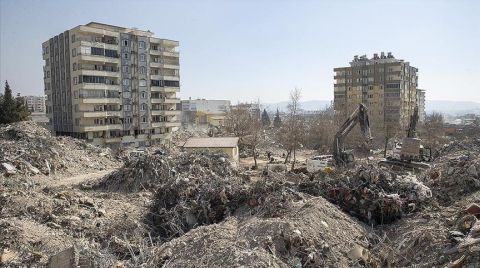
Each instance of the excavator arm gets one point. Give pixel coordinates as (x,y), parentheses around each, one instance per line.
(412,126)
(360,116)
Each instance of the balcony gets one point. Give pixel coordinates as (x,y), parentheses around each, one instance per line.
(160,136)
(99,73)
(97,58)
(166,124)
(164,53)
(165,112)
(165,89)
(165,100)
(170,77)
(164,65)
(100,113)
(102,44)
(100,127)
(99,86)
(100,100)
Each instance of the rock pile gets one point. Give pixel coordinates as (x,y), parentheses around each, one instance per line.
(27,148)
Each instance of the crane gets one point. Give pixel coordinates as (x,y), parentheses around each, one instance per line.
(360,116)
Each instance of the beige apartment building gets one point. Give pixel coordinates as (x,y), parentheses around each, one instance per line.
(386,85)
(35,104)
(112,85)
(421,105)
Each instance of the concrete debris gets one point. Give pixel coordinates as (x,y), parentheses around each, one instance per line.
(31,150)
(374,195)
(454,175)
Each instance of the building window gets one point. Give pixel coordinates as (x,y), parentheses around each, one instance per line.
(154,47)
(125,56)
(73,38)
(141,44)
(125,43)
(126,82)
(143,70)
(125,69)
(74,66)
(74,52)
(144,95)
(144,119)
(143,83)
(143,107)
(142,57)
(75,80)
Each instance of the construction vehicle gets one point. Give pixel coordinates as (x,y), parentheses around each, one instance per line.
(410,154)
(342,157)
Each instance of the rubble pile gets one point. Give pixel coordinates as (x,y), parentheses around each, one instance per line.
(137,173)
(311,234)
(374,195)
(29,149)
(467,145)
(454,176)
(202,189)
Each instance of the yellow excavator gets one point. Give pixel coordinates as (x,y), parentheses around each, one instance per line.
(342,157)
(412,154)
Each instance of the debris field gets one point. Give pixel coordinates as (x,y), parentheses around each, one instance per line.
(178,209)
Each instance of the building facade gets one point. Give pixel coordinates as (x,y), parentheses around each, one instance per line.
(112,85)
(204,112)
(421,105)
(35,104)
(386,85)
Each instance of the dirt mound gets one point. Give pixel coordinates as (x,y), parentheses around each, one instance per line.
(27,148)
(315,234)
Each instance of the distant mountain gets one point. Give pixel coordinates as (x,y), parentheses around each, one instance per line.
(312,105)
(452,107)
(445,107)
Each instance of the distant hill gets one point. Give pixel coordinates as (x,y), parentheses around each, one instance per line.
(452,107)
(313,105)
(445,107)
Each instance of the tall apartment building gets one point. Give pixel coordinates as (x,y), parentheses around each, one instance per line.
(112,85)
(388,86)
(421,105)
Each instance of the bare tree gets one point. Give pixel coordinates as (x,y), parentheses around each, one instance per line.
(321,130)
(244,121)
(292,131)
(434,128)
(238,120)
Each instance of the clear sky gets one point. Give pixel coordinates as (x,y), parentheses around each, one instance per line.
(244,50)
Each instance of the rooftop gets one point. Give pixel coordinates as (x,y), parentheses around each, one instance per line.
(224,142)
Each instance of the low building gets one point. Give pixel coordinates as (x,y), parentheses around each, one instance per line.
(204,112)
(227,145)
